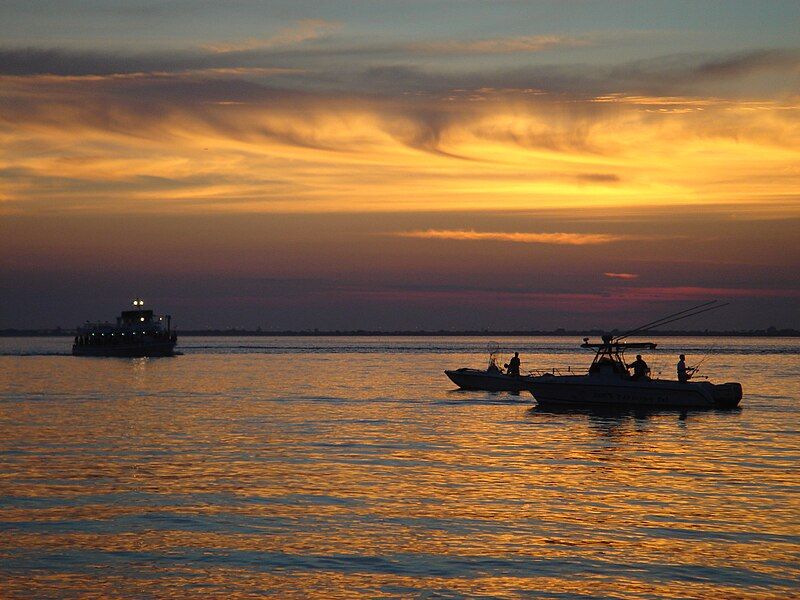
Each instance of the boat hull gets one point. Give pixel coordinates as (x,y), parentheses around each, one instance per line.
(163,348)
(652,394)
(475,379)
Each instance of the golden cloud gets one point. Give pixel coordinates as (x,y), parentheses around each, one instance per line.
(223,142)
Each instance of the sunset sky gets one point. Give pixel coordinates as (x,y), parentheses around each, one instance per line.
(384,165)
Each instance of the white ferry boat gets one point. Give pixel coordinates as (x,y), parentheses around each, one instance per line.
(136,333)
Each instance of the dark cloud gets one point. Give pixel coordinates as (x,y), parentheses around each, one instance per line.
(392,69)
(682,72)
(56,61)
(599,177)
(746,63)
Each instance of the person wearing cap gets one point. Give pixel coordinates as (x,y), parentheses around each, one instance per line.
(512,368)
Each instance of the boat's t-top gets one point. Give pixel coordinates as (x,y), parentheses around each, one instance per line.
(610,354)
(494,349)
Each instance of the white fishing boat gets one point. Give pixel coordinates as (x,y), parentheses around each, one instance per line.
(608,382)
(491,379)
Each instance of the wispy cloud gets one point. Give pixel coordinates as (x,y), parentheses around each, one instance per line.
(581,302)
(566,239)
(302,31)
(701,293)
(501,45)
(622,275)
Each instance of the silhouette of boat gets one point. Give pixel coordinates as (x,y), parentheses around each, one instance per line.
(136,333)
(609,384)
(491,379)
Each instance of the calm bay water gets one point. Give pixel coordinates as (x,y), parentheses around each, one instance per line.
(348,467)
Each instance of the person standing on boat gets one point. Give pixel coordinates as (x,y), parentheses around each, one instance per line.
(640,368)
(684,373)
(512,368)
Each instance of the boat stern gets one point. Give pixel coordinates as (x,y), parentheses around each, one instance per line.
(727,395)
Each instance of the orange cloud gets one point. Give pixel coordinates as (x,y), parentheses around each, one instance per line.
(569,239)
(621,275)
(220,141)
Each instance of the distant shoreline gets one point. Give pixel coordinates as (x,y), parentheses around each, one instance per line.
(593,333)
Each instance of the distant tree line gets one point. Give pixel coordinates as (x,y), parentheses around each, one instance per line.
(768,332)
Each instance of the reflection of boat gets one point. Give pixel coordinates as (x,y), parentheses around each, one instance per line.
(608,383)
(492,379)
(137,332)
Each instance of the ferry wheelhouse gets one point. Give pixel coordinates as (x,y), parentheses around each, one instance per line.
(137,332)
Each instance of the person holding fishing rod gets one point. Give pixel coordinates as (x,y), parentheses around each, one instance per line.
(640,368)
(685,373)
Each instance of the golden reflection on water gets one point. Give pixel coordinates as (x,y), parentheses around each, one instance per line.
(363,476)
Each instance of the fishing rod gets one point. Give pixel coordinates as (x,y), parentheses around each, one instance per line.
(664,320)
(699,312)
(696,368)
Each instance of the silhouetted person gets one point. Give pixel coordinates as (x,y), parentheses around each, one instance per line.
(513,365)
(640,368)
(684,373)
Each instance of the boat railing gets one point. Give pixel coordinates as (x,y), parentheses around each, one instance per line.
(568,370)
